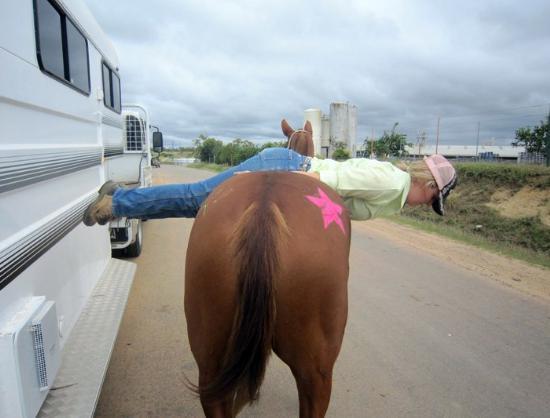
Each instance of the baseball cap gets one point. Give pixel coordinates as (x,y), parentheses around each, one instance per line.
(445,177)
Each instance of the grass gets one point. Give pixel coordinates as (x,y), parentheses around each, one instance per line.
(457,234)
(469,219)
(507,175)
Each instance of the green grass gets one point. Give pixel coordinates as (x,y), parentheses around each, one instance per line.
(457,234)
(508,175)
(468,215)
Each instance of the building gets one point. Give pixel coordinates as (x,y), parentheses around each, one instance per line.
(508,152)
(333,130)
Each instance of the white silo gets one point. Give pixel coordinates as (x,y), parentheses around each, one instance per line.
(314,117)
(325,136)
(352,129)
(343,126)
(338,123)
(325,132)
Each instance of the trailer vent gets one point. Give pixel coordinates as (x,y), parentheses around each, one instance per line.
(45,343)
(135,133)
(39,357)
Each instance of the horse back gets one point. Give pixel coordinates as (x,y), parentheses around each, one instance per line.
(313,245)
(309,210)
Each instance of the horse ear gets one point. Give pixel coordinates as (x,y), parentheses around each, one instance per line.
(287,130)
(307,127)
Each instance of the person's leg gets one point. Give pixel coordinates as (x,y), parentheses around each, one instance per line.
(184,200)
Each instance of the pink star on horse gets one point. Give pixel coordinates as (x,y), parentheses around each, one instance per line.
(331,211)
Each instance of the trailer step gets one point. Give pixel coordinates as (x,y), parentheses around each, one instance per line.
(87,352)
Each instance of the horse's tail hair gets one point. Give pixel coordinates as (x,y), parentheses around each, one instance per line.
(256,242)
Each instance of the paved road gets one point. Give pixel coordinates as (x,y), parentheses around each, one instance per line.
(424,339)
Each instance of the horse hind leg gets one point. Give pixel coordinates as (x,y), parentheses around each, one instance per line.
(312,371)
(222,408)
(314,383)
(241,400)
(308,339)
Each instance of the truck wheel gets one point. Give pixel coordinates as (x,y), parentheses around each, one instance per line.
(134,249)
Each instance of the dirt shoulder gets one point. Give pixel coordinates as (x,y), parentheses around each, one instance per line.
(518,274)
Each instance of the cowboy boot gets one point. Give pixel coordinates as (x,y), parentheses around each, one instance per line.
(101,209)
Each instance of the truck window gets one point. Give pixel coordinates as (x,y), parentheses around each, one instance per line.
(111,88)
(61,49)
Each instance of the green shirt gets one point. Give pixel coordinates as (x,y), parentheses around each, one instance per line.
(369,188)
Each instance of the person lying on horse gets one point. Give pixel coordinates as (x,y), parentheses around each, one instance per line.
(368,188)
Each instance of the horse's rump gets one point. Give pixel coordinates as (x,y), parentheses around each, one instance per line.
(265,262)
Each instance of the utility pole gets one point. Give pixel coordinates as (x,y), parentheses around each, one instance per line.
(421,140)
(372,144)
(437,138)
(477,139)
(548,139)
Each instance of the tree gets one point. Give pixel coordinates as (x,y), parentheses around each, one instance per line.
(274,144)
(391,143)
(377,147)
(228,154)
(207,149)
(244,149)
(536,139)
(340,153)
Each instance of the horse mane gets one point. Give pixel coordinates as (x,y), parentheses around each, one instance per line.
(256,242)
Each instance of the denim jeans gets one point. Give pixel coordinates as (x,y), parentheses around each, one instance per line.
(184,200)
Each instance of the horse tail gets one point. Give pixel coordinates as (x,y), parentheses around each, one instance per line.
(256,243)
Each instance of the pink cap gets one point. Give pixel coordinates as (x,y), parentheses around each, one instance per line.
(445,177)
(441,169)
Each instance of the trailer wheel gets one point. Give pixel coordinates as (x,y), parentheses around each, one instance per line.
(134,249)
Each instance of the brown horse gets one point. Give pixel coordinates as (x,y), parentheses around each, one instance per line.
(301,140)
(267,269)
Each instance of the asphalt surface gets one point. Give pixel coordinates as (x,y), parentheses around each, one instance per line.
(425,338)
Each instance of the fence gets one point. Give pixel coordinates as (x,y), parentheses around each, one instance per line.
(531,158)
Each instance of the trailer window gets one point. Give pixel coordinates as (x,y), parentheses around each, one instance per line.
(61,49)
(51,41)
(111,88)
(106,86)
(116,91)
(78,58)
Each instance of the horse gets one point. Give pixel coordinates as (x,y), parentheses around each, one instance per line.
(301,140)
(266,271)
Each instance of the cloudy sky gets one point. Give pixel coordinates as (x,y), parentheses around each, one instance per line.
(235,68)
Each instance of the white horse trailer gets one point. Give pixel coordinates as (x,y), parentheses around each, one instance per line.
(61,294)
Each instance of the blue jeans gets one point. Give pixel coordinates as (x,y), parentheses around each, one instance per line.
(184,200)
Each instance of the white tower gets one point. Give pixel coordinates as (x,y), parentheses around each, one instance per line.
(314,117)
(343,125)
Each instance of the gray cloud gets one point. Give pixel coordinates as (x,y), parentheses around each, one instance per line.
(235,68)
